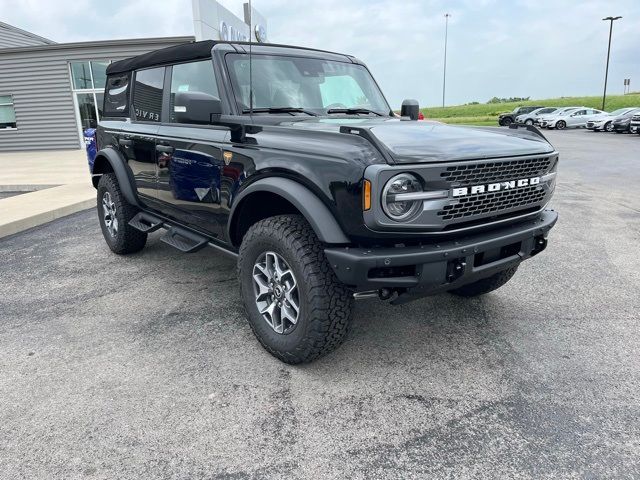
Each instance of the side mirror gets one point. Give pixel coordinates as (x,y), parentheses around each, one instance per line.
(196,107)
(411,109)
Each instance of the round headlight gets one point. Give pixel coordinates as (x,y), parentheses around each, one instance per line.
(392,203)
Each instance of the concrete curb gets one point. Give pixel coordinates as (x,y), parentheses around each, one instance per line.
(25,188)
(36,208)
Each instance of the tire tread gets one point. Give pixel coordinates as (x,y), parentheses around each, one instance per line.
(329,303)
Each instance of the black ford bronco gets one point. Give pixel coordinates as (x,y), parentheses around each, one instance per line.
(293,162)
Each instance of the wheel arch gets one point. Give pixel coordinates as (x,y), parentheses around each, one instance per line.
(278,195)
(110,161)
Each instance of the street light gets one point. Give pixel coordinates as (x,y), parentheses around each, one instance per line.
(444,75)
(606,73)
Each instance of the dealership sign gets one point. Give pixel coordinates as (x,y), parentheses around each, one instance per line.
(211,20)
(230,33)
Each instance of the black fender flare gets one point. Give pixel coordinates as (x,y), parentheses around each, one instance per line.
(123,173)
(310,206)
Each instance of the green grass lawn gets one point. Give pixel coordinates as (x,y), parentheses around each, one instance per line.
(487,113)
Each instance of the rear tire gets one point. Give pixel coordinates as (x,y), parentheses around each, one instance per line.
(280,260)
(114,213)
(486,285)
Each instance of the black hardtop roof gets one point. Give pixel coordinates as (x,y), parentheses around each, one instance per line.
(200,50)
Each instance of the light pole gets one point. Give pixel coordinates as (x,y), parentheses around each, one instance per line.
(444,75)
(606,72)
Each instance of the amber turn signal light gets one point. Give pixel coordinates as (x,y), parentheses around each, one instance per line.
(366,195)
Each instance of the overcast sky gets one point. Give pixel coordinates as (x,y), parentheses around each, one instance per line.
(541,48)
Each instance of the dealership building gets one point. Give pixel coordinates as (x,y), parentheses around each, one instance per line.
(50,92)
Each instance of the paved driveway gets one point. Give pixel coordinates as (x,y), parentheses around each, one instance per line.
(144,367)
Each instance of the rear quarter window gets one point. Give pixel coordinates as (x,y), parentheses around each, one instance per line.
(116,95)
(147,94)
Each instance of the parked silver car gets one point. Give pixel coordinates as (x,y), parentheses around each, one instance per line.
(530,118)
(574,119)
(605,121)
(543,120)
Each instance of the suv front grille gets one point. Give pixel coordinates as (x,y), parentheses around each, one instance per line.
(496,171)
(512,201)
(494,202)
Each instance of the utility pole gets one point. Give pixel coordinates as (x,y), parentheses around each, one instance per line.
(444,75)
(606,72)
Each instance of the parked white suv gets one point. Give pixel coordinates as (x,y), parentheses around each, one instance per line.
(574,119)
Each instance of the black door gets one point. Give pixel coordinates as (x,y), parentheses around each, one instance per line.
(189,158)
(138,144)
(189,165)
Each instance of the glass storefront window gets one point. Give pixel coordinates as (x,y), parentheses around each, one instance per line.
(99,104)
(81,74)
(87,109)
(7,113)
(99,70)
(88,79)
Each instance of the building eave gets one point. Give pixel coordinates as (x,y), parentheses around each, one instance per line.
(25,33)
(99,43)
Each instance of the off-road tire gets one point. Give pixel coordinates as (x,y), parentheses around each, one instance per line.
(486,285)
(325,304)
(127,239)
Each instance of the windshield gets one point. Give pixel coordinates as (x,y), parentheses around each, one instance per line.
(311,84)
(619,111)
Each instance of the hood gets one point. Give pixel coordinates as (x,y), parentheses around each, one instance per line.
(425,141)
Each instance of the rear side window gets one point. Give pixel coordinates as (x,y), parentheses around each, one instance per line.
(147,94)
(116,99)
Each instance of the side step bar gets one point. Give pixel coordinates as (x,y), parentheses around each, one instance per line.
(184,240)
(145,222)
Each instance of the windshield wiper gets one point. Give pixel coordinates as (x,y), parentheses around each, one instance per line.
(352,111)
(280,110)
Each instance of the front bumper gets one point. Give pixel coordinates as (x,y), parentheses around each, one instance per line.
(429,269)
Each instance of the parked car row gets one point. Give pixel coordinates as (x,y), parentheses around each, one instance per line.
(621,120)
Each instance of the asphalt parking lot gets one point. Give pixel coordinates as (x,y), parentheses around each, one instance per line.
(144,367)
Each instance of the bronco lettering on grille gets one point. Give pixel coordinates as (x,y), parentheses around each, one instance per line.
(495,187)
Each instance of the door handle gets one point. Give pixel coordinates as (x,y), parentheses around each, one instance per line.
(164,148)
(125,142)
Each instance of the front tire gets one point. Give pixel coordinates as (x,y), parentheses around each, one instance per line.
(296,307)
(507,121)
(608,127)
(486,285)
(114,213)
(561,124)
(529,122)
